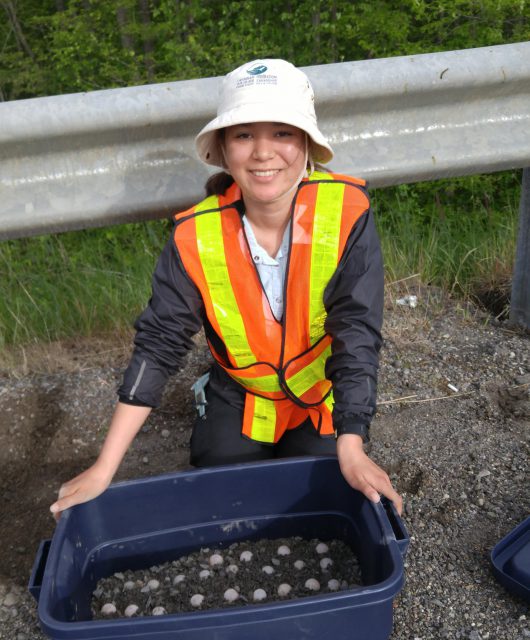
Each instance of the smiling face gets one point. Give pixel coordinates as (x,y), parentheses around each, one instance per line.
(267,160)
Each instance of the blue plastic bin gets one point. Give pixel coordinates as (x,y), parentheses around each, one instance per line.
(511,560)
(144,522)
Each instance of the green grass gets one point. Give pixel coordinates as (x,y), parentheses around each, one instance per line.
(458,234)
(76,283)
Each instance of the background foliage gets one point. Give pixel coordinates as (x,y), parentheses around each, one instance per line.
(459,234)
(49,47)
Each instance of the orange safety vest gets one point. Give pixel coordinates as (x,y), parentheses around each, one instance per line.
(280,364)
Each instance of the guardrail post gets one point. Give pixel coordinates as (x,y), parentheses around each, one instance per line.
(520,301)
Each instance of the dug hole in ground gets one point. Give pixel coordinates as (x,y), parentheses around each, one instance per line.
(452,429)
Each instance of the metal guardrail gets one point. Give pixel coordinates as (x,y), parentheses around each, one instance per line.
(98,158)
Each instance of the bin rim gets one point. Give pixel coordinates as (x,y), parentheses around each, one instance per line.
(503,551)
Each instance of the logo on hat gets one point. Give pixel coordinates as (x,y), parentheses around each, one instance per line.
(257,69)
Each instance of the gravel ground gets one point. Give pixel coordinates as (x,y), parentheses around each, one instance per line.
(452,430)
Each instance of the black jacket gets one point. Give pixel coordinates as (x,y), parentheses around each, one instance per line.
(354,303)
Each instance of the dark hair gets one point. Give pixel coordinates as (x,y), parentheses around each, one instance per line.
(217,184)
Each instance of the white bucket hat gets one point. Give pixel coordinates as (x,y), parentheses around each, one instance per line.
(264,91)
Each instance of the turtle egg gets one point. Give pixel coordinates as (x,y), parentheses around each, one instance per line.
(312,584)
(299,564)
(268,570)
(205,573)
(333,585)
(159,611)
(108,609)
(196,600)
(325,563)
(231,595)
(131,610)
(258,595)
(153,585)
(321,548)
(283,550)
(178,579)
(232,568)
(129,585)
(216,560)
(246,556)
(284,589)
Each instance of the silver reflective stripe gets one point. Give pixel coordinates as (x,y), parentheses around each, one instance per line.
(138,379)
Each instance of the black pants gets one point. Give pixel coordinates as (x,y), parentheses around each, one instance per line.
(216,438)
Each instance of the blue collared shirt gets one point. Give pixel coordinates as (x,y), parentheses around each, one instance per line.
(271,270)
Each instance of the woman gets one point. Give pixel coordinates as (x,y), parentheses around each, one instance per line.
(281,265)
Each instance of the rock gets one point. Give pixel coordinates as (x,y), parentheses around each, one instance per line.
(10,600)
(178,579)
(128,585)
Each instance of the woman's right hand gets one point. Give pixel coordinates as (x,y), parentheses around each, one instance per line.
(84,487)
(125,424)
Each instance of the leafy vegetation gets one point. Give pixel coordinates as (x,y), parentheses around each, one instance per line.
(458,234)
(62,46)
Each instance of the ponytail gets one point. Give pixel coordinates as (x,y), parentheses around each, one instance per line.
(217,184)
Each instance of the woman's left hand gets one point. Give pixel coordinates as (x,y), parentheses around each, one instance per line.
(362,473)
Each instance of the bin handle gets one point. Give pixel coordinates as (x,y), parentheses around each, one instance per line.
(37,572)
(398,528)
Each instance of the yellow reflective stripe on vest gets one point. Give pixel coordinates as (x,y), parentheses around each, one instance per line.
(329,402)
(302,381)
(264,420)
(320,175)
(324,252)
(261,384)
(212,255)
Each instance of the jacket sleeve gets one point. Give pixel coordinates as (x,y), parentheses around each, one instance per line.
(354,304)
(164,331)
